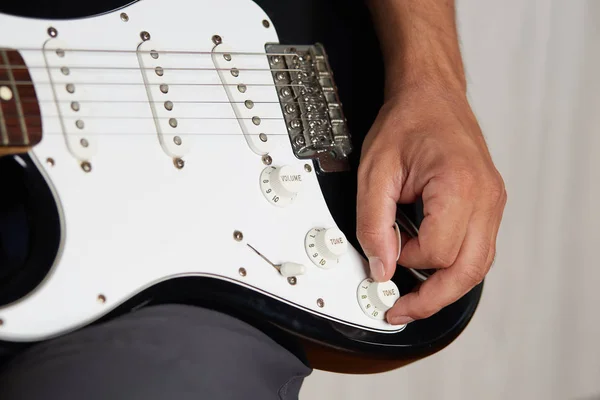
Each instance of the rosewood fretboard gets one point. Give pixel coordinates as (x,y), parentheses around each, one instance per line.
(20,119)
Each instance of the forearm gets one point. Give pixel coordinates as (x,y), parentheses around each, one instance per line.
(419,43)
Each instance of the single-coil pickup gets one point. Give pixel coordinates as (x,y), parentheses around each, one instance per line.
(247,81)
(69,89)
(163,86)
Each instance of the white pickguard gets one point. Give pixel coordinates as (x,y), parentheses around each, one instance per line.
(135,219)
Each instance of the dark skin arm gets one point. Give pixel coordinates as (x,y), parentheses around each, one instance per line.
(426,142)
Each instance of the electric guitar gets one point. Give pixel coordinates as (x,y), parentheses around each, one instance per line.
(202,152)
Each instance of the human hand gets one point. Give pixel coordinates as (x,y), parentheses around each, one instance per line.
(426,143)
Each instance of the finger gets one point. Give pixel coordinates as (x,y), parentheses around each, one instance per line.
(376,216)
(448,285)
(496,228)
(447,211)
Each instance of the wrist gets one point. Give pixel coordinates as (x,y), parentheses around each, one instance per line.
(430,70)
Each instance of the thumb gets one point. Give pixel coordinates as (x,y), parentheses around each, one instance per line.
(376,217)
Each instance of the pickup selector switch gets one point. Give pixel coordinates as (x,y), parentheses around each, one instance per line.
(325,247)
(280,185)
(375,298)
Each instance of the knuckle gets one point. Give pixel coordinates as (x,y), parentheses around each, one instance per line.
(366,233)
(472,276)
(439,258)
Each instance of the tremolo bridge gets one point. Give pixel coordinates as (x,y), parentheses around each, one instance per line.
(310,105)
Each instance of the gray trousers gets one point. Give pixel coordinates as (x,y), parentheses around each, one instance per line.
(160,352)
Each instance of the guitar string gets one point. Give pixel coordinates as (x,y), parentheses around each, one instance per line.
(25,83)
(165,69)
(85,133)
(183,52)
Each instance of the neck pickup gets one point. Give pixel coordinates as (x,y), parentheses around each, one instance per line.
(310,104)
(20,118)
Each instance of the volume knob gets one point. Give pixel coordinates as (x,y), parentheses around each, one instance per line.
(280,185)
(325,247)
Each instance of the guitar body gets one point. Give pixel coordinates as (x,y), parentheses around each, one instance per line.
(141,146)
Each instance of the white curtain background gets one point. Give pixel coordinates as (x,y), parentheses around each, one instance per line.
(533,70)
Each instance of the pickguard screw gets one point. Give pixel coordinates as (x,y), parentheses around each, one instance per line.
(242,271)
(79,124)
(84,142)
(242,88)
(70,88)
(124,17)
(266,23)
(60,52)
(235,72)
(307,168)
(179,163)
(173,122)
(266,159)
(65,70)
(86,166)
(263,137)
(101,299)
(50,161)
(154,54)
(217,39)
(1,322)
(256,120)
(169,105)
(164,88)
(249,104)
(144,35)
(177,140)
(238,236)
(292,280)
(320,302)
(159,71)
(227,57)
(52,32)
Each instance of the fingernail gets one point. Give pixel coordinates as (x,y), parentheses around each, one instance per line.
(400,320)
(376,266)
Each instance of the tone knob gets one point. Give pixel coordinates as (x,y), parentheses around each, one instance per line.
(280,185)
(325,247)
(375,298)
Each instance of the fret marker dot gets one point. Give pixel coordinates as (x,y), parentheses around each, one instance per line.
(5,93)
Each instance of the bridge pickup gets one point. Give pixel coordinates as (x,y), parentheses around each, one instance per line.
(310,104)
